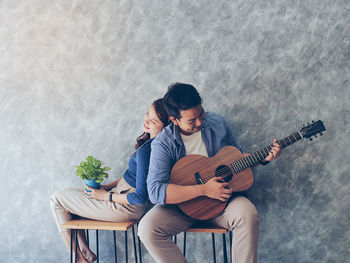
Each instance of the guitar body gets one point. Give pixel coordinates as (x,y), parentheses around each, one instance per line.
(193,168)
(198,169)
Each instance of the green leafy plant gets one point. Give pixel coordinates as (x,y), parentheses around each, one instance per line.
(91,169)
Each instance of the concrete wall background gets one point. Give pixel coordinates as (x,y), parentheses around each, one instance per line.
(77,76)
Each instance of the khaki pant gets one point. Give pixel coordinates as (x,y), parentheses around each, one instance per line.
(161,222)
(71,201)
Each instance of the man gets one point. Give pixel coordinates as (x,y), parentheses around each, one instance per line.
(194,131)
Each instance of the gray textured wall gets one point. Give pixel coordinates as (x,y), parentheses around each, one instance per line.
(77,76)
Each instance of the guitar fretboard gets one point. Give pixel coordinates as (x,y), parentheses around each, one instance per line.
(259,156)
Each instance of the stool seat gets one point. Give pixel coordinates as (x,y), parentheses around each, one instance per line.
(90,224)
(206,227)
(98,225)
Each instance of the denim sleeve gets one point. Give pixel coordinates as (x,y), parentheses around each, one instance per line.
(159,173)
(230,138)
(140,195)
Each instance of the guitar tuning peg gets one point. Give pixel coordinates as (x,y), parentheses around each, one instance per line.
(315,136)
(313,121)
(321,133)
(310,139)
(308,123)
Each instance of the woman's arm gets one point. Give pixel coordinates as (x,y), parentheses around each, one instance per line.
(103,195)
(140,196)
(120,198)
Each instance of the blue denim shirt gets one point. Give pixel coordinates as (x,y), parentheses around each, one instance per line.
(167,148)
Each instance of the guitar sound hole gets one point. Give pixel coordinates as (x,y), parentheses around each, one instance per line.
(225,172)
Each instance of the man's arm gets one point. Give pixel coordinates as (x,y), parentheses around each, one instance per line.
(215,188)
(159,172)
(162,192)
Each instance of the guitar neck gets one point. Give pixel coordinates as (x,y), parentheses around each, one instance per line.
(258,156)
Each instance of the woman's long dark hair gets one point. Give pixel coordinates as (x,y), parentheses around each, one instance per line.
(162,115)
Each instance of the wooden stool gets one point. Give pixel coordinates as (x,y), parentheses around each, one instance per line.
(88,224)
(204,227)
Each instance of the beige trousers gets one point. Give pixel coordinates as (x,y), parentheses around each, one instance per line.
(72,201)
(162,222)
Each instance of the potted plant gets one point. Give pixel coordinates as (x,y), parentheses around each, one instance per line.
(92,172)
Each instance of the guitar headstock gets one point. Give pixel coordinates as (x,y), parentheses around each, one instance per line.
(312,129)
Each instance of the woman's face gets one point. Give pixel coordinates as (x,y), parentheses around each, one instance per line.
(152,124)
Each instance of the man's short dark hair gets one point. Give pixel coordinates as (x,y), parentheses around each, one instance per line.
(180,96)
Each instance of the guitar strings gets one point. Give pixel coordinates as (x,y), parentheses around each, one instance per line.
(221,172)
(217,173)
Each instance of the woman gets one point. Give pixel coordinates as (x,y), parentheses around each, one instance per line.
(128,195)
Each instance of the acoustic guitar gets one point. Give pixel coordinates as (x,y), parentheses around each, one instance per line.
(232,166)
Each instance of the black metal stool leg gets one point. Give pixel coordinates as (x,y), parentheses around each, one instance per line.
(87,237)
(231,245)
(76,245)
(140,252)
(133,239)
(184,250)
(213,242)
(71,246)
(175,239)
(224,247)
(115,247)
(98,259)
(138,238)
(126,246)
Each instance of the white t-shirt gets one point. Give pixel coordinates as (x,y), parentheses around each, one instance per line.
(194,144)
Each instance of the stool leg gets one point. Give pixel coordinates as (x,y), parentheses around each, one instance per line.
(98,259)
(133,239)
(213,242)
(115,247)
(231,245)
(175,239)
(138,238)
(184,250)
(224,247)
(140,252)
(76,245)
(71,246)
(126,246)
(87,237)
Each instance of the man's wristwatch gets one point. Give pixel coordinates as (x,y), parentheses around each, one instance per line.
(110,196)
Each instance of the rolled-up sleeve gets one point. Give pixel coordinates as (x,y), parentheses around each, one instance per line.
(159,172)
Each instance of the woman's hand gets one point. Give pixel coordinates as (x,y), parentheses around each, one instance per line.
(98,194)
